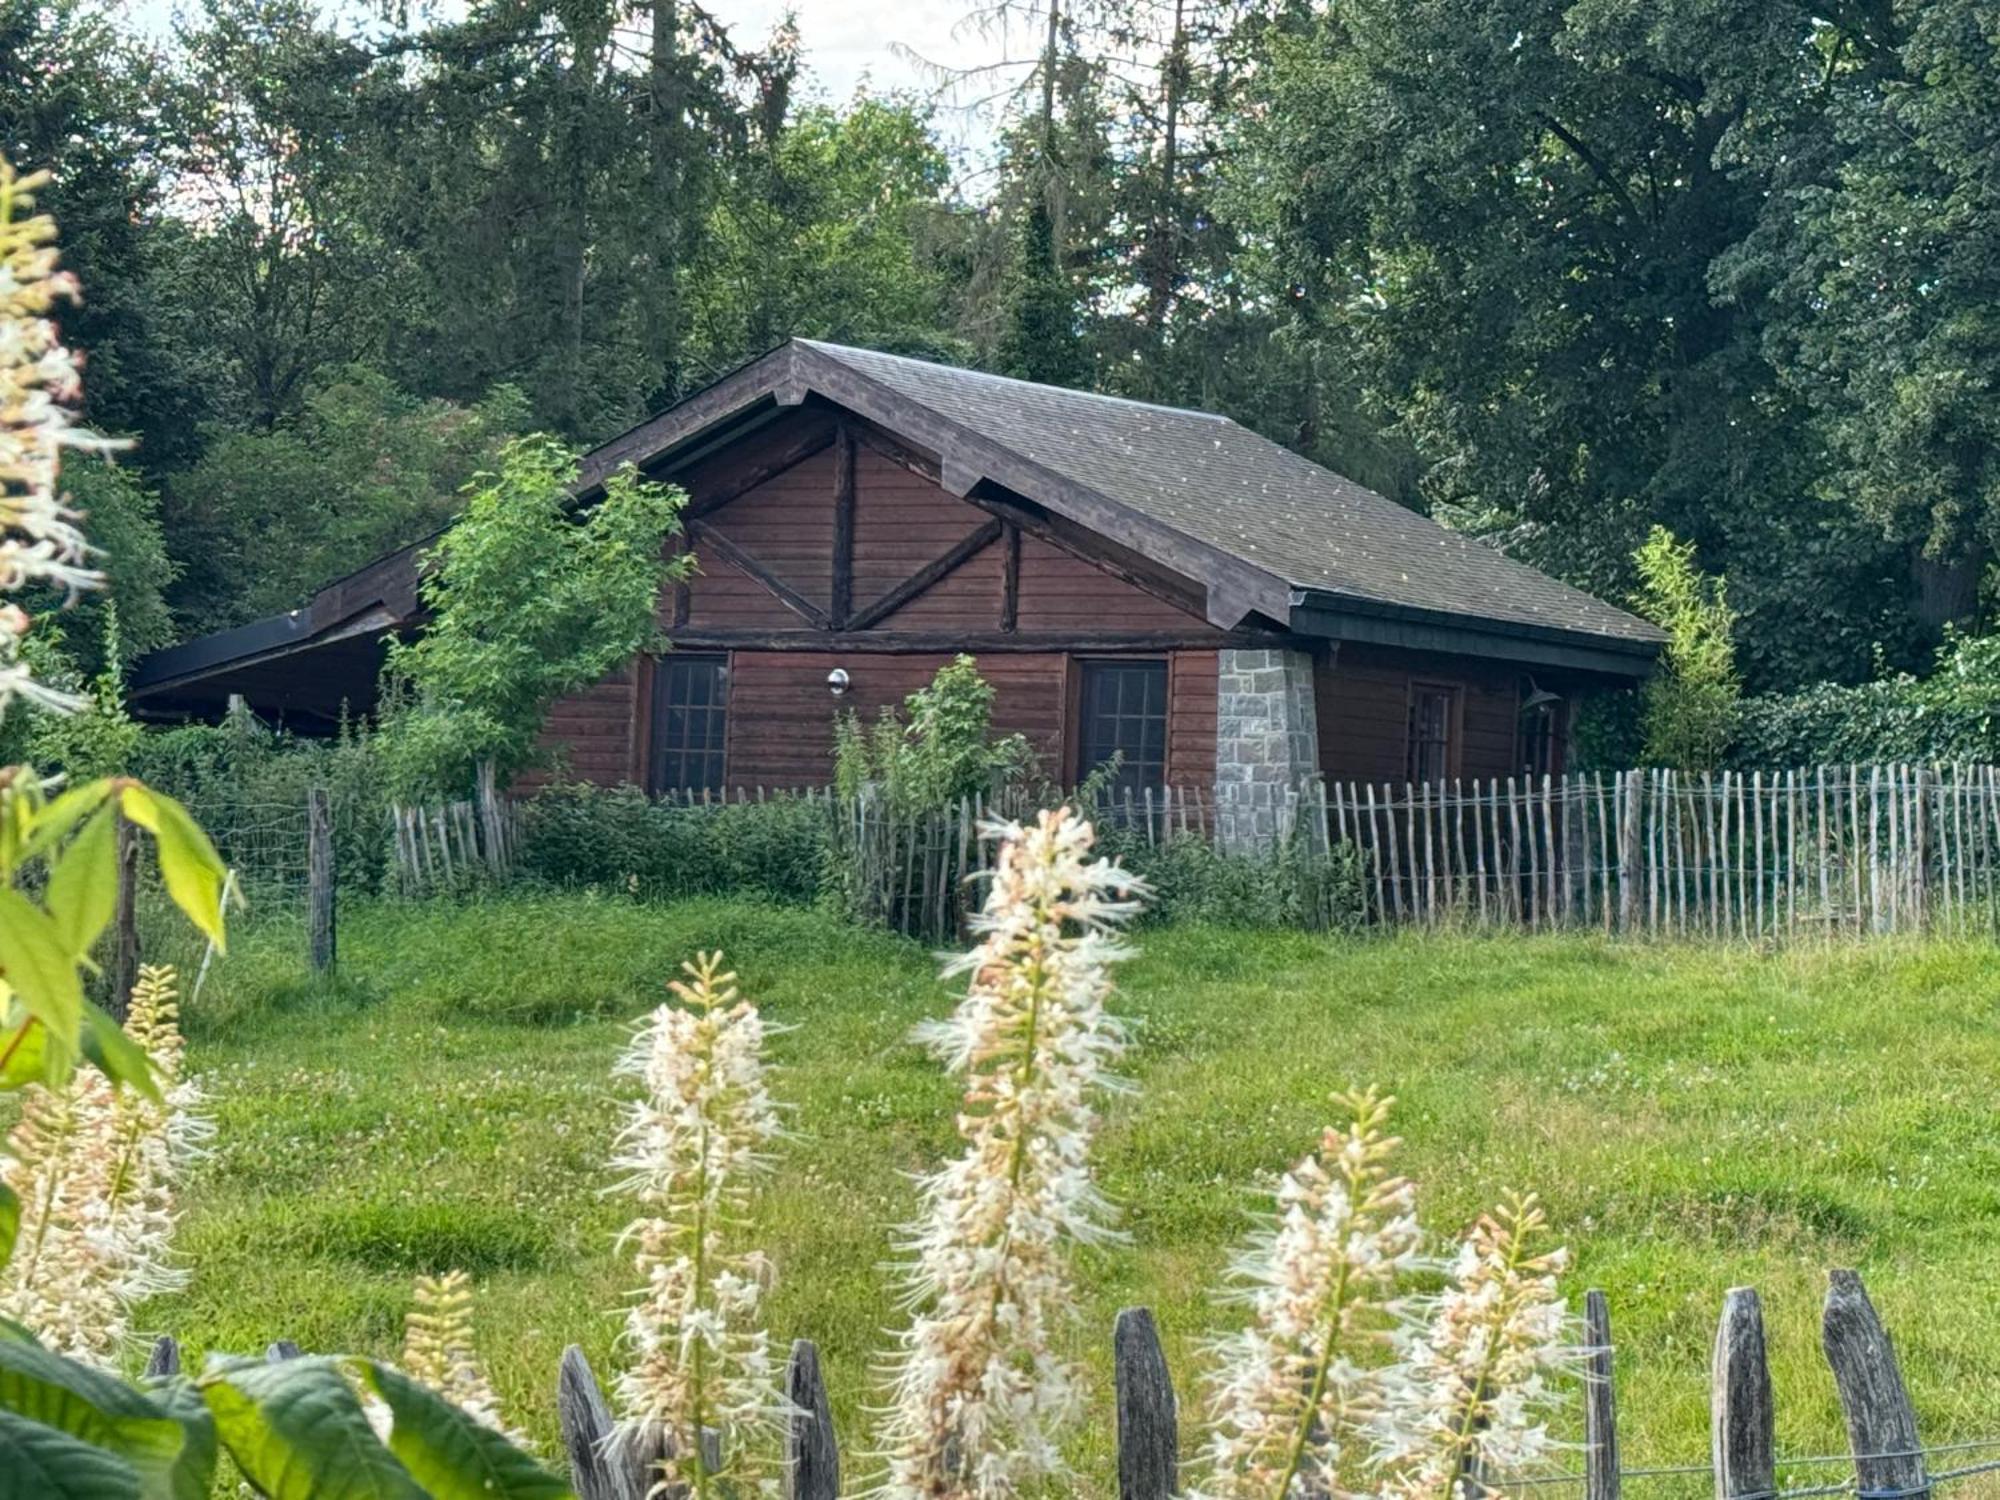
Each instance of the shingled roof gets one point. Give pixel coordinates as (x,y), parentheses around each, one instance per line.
(1222,485)
(1270,537)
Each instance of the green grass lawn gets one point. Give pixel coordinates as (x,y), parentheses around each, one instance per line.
(1695,1119)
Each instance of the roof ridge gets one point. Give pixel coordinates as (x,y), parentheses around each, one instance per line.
(836,350)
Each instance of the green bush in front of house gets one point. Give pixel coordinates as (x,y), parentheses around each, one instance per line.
(618,838)
(1293,885)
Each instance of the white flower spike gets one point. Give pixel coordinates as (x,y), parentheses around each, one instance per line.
(1288,1398)
(691,1146)
(980,1395)
(40,382)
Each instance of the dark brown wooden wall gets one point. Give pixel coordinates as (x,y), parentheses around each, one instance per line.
(1362,696)
(781,712)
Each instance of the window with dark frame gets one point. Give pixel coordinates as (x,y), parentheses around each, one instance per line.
(690,717)
(1431,722)
(1124,712)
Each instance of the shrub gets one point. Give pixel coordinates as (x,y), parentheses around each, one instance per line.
(1953,714)
(619,838)
(1690,706)
(246,783)
(938,750)
(1293,885)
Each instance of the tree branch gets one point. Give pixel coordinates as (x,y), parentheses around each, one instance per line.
(1599,168)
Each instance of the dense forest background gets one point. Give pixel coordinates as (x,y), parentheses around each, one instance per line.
(1553,272)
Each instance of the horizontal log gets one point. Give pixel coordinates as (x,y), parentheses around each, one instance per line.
(952,641)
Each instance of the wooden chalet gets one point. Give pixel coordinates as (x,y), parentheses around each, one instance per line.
(1157,582)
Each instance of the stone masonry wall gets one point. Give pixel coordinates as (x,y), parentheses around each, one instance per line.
(1266,742)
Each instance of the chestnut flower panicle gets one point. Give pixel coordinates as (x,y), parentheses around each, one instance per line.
(40,384)
(1471,1394)
(439,1352)
(1288,1397)
(96,1168)
(690,1150)
(979,1393)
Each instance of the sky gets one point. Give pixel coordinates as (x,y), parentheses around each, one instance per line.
(846,43)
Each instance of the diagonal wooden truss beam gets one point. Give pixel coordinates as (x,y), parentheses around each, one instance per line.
(929,574)
(791,598)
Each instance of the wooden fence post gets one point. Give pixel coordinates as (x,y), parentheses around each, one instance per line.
(1600,1403)
(1630,883)
(165,1359)
(1881,1425)
(492,829)
(1148,1429)
(320,879)
(812,1460)
(1742,1413)
(585,1422)
(125,921)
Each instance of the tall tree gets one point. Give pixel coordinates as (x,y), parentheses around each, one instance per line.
(79,98)
(1883,256)
(266,102)
(1511,214)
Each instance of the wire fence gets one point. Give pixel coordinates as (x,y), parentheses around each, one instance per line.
(1886,1459)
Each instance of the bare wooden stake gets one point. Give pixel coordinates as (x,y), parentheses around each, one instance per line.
(1148,1430)
(125,921)
(1600,1403)
(165,1359)
(812,1460)
(586,1427)
(320,879)
(1742,1413)
(1881,1424)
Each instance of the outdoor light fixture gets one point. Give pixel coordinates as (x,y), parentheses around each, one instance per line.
(1538,697)
(836,681)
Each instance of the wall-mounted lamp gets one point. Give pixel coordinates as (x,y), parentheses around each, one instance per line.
(836,682)
(1538,697)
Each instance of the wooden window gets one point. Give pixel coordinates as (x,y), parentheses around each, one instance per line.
(1433,732)
(690,717)
(1124,712)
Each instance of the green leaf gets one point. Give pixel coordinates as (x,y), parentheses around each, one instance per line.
(193,871)
(38,966)
(96,1409)
(10,1222)
(297,1431)
(55,819)
(452,1456)
(18,1333)
(83,886)
(193,1475)
(112,1051)
(42,1463)
(23,1047)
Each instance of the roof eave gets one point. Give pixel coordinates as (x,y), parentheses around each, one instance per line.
(1344,617)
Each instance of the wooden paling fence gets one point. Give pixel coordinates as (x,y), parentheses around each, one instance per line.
(444,844)
(913,872)
(1885,1457)
(1755,854)
(1746,855)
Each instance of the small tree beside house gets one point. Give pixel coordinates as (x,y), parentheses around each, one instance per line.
(526,603)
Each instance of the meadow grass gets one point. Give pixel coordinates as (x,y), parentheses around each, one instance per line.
(1695,1118)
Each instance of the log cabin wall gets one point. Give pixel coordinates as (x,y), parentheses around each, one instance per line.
(1362,698)
(825,543)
